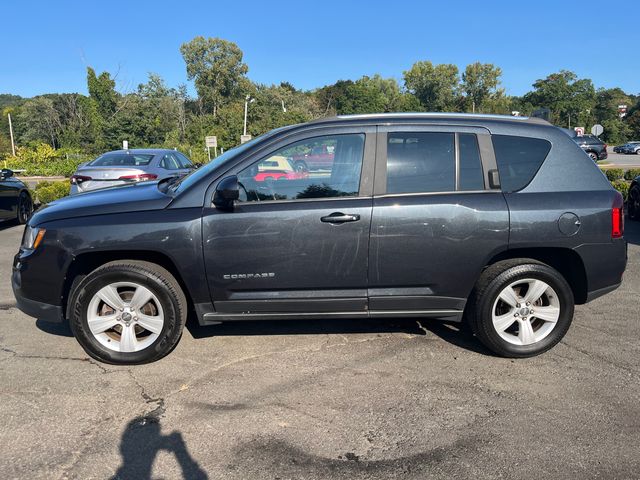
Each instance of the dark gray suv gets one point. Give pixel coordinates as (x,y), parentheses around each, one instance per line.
(501,222)
(593,146)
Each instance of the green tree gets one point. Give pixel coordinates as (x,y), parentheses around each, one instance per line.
(102,90)
(481,85)
(572,101)
(435,86)
(217,69)
(38,121)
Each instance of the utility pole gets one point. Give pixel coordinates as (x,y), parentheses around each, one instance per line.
(247,101)
(13,145)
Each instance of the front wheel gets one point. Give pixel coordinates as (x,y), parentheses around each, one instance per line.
(25,208)
(127,312)
(521,308)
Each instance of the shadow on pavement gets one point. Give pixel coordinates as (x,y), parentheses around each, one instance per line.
(303,327)
(7,224)
(452,332)
(142,440)
(61,329)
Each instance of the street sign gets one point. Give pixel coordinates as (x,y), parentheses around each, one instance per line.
(211,142)
(579,131)
(125,145)
(245,138)
(597,129)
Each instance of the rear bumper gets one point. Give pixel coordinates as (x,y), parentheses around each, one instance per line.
(604,266)
(602,155)
(33,308)
(602,291)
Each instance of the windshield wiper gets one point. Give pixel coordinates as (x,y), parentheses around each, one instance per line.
(166,183)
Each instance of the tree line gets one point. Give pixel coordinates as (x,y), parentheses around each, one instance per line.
(155,114)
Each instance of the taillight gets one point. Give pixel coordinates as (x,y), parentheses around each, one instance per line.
(142,177)
(77,179)
(617,217)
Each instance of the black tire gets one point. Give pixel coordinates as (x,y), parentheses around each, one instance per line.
(492,281)
(301,166)
(155,278)
(633,203)
(594,156)
(25,208)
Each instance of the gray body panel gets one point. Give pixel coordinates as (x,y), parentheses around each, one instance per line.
(414,254)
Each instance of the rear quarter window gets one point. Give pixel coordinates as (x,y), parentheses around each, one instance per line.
(519,159)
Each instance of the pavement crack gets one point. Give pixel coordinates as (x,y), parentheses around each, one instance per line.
(601,358)
(421,327)
(52,357)
(154,415)
(248,358)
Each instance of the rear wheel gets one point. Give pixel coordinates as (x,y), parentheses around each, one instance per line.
(593,156)
(301,166)
(25,208)
(520,308)
(633,204)
(128,312)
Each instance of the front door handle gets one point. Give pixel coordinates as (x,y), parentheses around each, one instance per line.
(339,217)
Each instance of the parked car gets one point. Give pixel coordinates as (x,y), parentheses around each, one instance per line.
(633,202)
(15,199)
(593,146)
(629,148)
(501,222)
(277,167)
(121,167)
(316,157)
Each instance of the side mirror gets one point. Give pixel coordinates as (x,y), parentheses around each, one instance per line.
(6,173)
(226,193)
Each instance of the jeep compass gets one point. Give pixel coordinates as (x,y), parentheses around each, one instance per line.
(500,222)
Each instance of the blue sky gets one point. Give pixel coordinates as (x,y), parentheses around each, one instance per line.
(46,46)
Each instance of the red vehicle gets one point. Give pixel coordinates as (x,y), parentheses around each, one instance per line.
(319,158)
(278,167)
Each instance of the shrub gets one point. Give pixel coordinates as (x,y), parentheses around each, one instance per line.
(622,186)
(47,192)
(631,173)
(614,174)
(43,160)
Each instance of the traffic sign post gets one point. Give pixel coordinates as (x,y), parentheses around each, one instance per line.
(597,129)
(211,142)
(579,131)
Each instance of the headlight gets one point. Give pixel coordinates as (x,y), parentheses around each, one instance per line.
(32,237)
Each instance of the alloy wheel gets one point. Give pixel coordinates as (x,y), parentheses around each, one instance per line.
(526,311)
(125,317)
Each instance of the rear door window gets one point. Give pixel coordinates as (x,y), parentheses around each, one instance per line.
(519,159)
(420,162)
(170,162)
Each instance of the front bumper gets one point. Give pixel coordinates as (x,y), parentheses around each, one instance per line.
(39,310)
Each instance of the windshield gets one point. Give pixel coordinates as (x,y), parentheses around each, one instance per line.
(185,182)
(121,160)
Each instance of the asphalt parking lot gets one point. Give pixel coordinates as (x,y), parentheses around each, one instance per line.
(621,160)
(333,399)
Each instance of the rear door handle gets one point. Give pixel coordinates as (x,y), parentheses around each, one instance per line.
(339,217)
